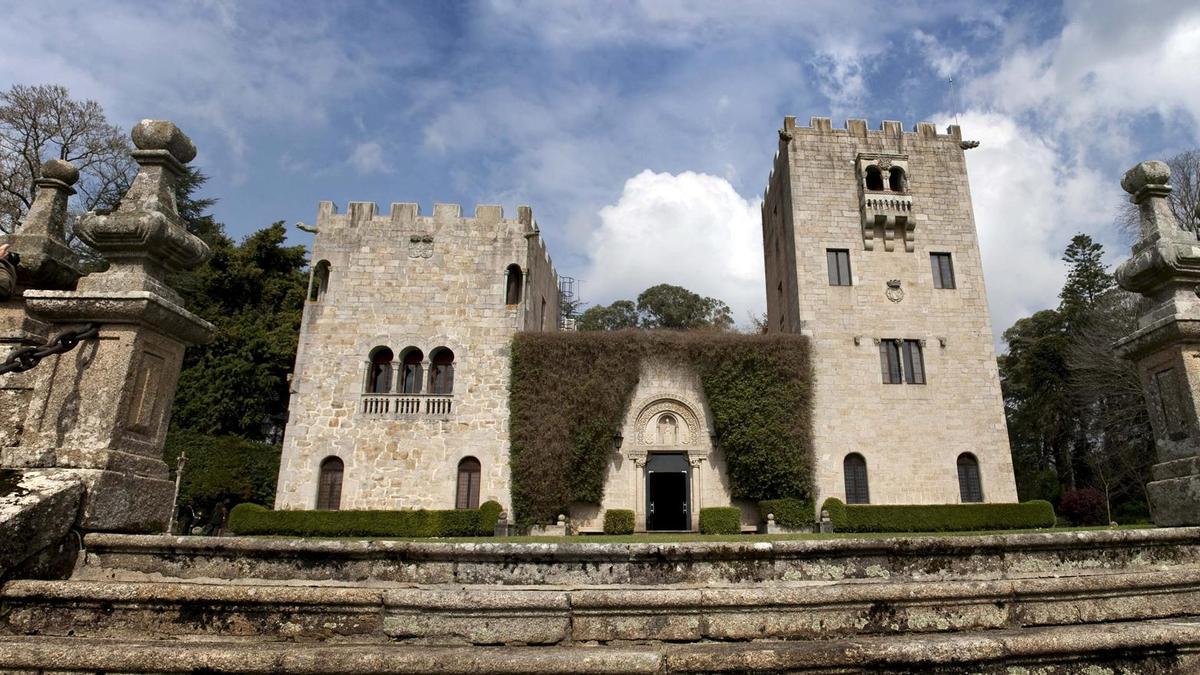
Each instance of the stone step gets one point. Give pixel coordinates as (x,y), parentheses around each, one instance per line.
(755,561)
(1131,647)
(604,614)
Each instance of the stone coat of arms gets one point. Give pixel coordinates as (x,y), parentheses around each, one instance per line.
(420,246)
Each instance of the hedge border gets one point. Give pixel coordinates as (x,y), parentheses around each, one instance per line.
(938,517)
(252,519)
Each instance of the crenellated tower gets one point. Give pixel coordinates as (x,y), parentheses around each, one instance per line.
(400,390)
(871,250)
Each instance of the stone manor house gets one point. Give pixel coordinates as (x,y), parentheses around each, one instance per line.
(400,390)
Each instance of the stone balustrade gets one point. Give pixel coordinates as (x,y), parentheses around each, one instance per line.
(406,405)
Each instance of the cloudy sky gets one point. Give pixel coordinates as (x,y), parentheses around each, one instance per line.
(640,132)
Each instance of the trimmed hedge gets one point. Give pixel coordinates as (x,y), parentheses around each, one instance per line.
(489,513)
(721,520)
(618,521)
(796,514)
(571,390)
(938,517)
(254,519)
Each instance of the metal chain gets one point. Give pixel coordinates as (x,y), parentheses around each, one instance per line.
(27,357)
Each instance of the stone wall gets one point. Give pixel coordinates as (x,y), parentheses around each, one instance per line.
(909,434)
(401,281)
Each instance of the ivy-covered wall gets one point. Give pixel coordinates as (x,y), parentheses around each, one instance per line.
(570,392)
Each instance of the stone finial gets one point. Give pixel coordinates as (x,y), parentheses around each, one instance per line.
(1165,253)
(46,260)
(1147,179)
(145,238)
(562,519)
(164,135)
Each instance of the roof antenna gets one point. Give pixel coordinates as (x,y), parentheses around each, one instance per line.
(953,100)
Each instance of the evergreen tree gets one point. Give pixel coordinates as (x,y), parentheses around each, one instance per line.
(1087,279)
(253,293)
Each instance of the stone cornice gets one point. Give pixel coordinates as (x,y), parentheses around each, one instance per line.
(129,307)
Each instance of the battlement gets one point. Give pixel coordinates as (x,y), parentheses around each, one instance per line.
(406,213)
(888,129)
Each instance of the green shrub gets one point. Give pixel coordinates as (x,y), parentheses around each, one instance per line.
(248,519)
(938,517)
(618,521)
(796,514)
(222,468)
(759,389)
(721,520)
(489,513)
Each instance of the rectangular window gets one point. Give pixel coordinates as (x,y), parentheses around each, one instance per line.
(943,270)
(914,362)
(889,362)
(839,266)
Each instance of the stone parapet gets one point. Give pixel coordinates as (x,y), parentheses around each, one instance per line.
(1170,646)
(649,563)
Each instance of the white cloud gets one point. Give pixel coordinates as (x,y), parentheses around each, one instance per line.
(945,62)
(367,158)
(692,230)
(1103,70)
(1028,203)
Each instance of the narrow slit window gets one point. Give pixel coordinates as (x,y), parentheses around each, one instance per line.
(855,469)
(943,270)
(914,362)
(329,484)
(838,261)
(379,377)
(467,492)
(410,371)
(889,362)
(320,281)
(970,488)
(441,372)
(514,281)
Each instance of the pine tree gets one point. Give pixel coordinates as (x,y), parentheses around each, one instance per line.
(1087,280)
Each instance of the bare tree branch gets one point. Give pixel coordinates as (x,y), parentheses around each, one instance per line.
(43,122)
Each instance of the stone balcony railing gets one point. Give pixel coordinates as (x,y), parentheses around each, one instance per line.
(406,405)
(887,203)
(889,214)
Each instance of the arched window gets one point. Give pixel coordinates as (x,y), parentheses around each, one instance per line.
(467,494)
(441,371)
(329,484)
(410,371)
(319,282)
(874,178)
(379,373)
(970,489)
(855,468)
(514,280)
(897,182)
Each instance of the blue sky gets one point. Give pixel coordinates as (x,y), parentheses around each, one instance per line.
(640,132)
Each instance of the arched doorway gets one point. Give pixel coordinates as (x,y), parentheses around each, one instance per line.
(668,493)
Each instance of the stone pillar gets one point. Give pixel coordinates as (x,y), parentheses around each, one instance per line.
(1165,270)
(101,411)
(46,263)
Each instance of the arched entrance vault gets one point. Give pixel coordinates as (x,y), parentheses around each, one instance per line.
(669,446)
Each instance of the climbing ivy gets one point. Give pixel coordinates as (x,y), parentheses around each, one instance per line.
(570,393)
